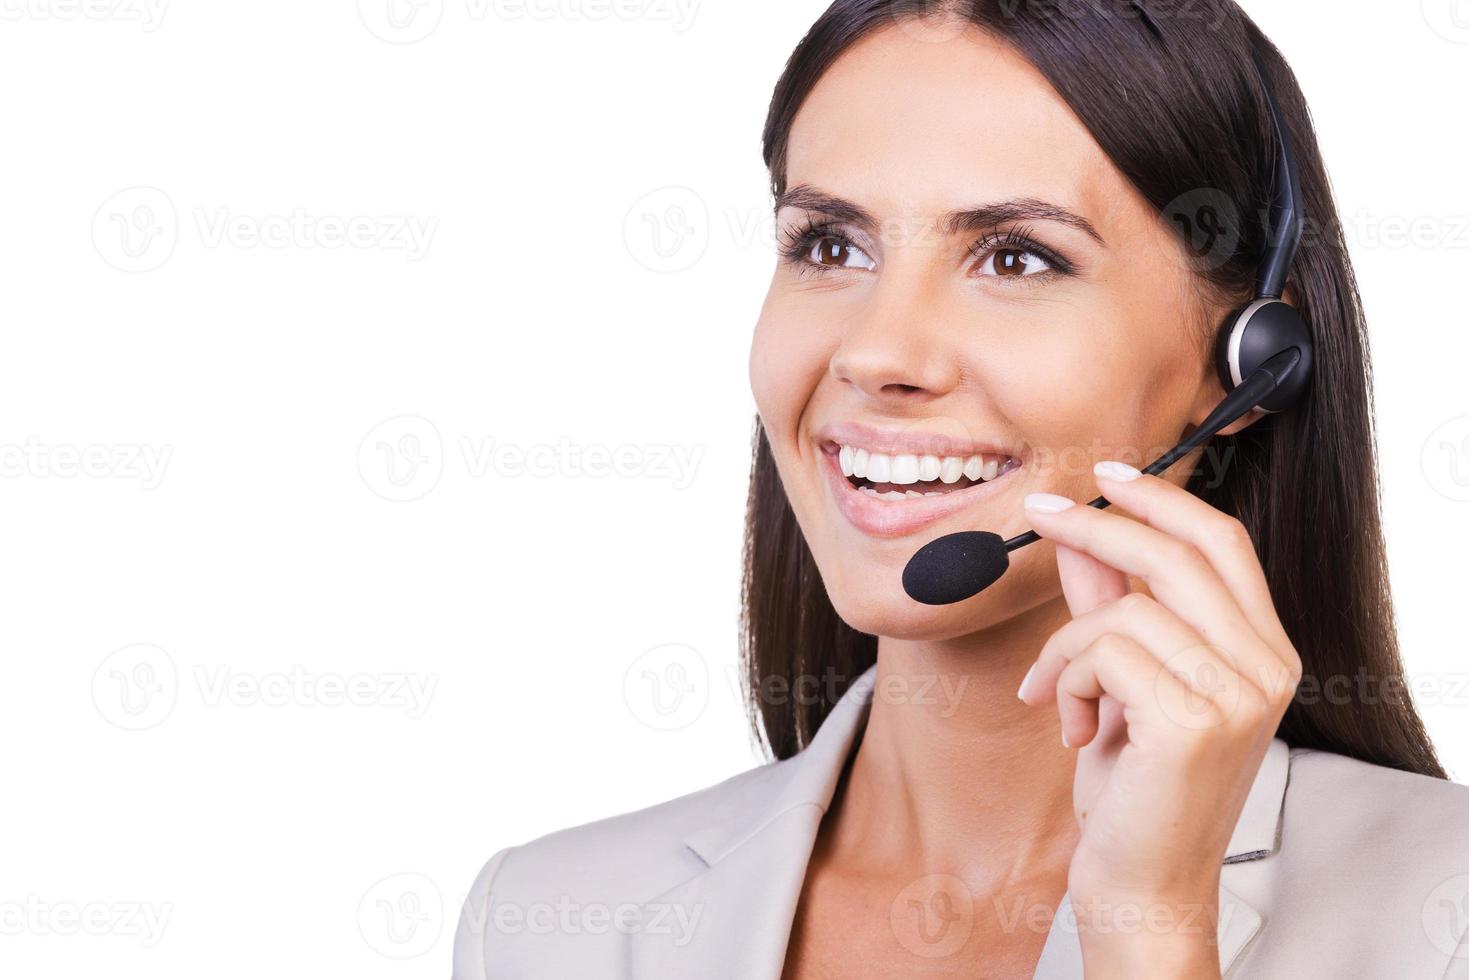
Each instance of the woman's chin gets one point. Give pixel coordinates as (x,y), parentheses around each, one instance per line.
(891,613)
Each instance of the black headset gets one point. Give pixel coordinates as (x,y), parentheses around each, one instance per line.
(1267,326)
(1262,356)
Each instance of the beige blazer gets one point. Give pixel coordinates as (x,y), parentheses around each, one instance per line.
(1337,869)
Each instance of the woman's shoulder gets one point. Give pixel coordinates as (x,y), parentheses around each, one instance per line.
(1350,800)
(598,870)
(1369,874)
(614,846)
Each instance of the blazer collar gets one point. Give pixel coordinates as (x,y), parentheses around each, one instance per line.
(752,864)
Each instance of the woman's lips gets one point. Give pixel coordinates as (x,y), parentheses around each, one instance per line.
(884,518)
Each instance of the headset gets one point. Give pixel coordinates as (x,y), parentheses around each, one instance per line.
(1262,355)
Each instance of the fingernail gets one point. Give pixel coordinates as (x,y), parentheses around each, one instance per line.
(1047,503)
(1113,470)
(1020,693)
(1064,744)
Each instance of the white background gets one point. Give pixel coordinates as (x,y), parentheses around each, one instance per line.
(208,435)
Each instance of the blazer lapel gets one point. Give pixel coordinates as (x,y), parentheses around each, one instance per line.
(741,901)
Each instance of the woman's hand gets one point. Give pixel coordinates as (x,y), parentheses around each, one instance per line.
(1172,697)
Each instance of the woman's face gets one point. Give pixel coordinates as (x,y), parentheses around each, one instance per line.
(967,275)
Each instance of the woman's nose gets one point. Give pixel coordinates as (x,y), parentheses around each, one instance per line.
(897,347)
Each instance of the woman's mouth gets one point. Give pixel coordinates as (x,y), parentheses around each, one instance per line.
(890,495)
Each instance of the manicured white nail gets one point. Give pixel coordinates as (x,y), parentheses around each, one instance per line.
(1047,503)
(1020,693)
(1064,744)
(1113,470)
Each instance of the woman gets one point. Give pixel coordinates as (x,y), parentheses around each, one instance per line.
(1009,234)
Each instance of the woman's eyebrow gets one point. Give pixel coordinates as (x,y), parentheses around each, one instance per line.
(978,218)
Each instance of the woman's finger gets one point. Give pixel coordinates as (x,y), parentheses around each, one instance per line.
(1176,574)
(1211,675)
(1086,582)
(1152,698)
(1221,538)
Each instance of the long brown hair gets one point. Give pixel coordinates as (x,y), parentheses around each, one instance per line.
(1174,99)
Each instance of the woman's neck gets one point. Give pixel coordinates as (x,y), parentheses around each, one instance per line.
(954,773)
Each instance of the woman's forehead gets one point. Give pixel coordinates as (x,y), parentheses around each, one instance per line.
(906,127)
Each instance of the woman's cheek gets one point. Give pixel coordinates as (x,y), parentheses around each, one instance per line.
(788,358)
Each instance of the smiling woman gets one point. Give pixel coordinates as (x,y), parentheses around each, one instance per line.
(1009,235)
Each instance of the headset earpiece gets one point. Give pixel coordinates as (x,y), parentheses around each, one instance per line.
(1255,333)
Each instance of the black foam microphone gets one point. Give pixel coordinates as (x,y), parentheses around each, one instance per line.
(957,566)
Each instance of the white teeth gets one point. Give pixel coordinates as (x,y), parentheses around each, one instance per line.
(904,470)
(907,468)
(889,495)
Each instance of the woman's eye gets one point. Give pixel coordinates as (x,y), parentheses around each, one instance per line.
(1013,263)
(834,253)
